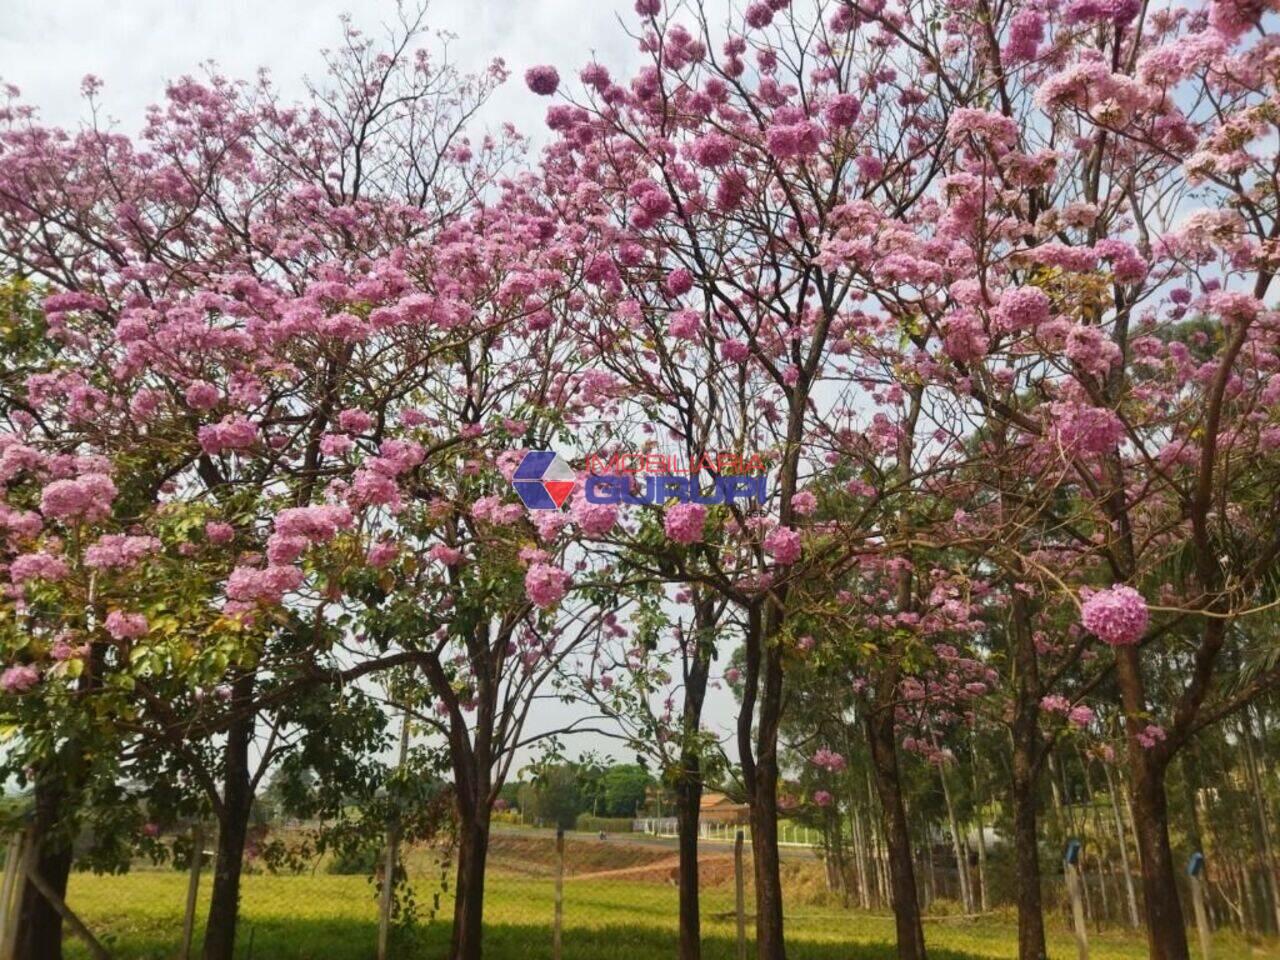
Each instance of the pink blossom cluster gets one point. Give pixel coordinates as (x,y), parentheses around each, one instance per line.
(828,760)
(445,554)
(87,497)
(354,420)
(712,150)
(119,552)
(595,520)
(1078,715)
(683,522)
(125,626)
(235,433)
(1110,11)
(1150,735)
(542,80)
(1021,308)
(19,678)
(247,586)
(1026,33)
(1117,616)
(493,510)
(783,544)
(219,533)
(685,324)
(318,524)
(37,566)
(382,553)
(546,584)
(797,139)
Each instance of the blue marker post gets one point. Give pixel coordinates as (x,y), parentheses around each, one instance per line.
(1074,876)
(1195,872)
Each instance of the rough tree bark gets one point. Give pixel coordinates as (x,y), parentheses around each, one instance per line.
(233,825)
(688,784)
(881,738)
(1028,761)
(468,906)
(39,925)
(759,757)
(1166,930)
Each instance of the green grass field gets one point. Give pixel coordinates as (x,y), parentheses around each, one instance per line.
(323,917)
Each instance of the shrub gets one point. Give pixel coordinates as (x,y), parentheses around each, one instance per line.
(359,861)
(589,824)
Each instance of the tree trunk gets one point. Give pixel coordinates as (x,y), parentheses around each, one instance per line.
(770,944)
(902,877)
(1028,761)
(758,755)
(1166,928)
(688,797)
(689,777)
(860,857)
(233,826)
(1031,944)
(39,925)
(957,844)
(468,904)
(982,839)
(1122,841)
(1270,869)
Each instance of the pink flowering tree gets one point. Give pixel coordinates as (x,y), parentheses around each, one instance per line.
(650,678)
(700,183)
(476,590)
(1083,261)
(1017,256)
(235,301)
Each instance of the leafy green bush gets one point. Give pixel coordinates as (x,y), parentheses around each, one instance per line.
(589,824)
(359,861)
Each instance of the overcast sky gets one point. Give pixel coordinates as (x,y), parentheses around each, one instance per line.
(135,46)
(47,46)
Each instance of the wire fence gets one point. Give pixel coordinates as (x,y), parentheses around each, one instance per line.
(572,897)
(724,831)
(332,907)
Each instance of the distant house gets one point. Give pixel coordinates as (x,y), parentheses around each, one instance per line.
(718,808)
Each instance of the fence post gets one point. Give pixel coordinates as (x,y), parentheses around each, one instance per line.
(8,900)
(193,889)
(96,950)
(559,921)
(387,900)
(1195,871)
(740,897)
(1071,870)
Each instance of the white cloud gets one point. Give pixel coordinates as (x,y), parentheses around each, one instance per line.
(134,46)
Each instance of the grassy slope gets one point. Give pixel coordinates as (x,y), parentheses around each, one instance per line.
(322,917)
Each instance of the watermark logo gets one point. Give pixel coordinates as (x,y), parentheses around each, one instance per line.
(543,480)
(659,488)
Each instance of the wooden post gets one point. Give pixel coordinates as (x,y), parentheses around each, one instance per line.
(1195,871)
(1202,918)
(556,933)
(387,900)
(96,950)
(1077,912)
(1071,870)
(8,902)
(193,889)
(740,897)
